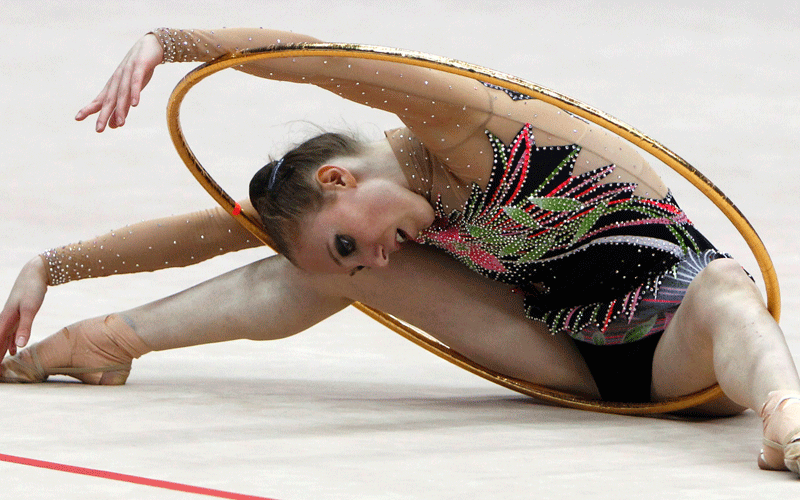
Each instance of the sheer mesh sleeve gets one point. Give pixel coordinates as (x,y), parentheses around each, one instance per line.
(449,114)
(176,241)
(443,110)
(187,45)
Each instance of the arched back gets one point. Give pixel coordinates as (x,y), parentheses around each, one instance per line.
(517,85)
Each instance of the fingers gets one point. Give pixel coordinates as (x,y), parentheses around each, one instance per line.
(140,79)
(112,104)
(15,329)
(90,109)
(124,88)
(124,95)
(8,329)
(102,104)
(109,101)
(13,343)
(24,302)
(25,326)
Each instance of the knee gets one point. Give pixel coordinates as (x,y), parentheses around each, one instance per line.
(724,286)
(725,275)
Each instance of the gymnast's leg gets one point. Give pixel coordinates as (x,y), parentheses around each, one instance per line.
(722,332)
(272,299)
(477,317)
(266,300)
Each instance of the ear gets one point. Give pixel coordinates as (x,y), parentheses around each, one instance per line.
(334,177)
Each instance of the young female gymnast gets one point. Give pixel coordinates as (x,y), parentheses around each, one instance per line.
(574,267)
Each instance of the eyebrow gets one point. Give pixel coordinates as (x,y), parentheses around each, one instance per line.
(330,252)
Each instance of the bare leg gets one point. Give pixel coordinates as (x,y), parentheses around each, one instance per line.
(723,333)
(478,317)
(271,299)
(266,300)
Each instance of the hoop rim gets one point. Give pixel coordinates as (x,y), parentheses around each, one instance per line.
(632,135)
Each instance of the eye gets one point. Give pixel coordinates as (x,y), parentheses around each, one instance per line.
(345,245)
(357,269)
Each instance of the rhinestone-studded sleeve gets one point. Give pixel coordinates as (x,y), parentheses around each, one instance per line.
(176,241)
(186,45)
(450,114)
(422,98)
(441,109)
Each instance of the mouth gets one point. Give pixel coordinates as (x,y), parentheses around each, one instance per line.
(401,237)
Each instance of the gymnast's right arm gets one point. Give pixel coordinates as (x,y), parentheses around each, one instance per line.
(175,241)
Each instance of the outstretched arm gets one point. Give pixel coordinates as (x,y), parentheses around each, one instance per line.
(123,89)
(176,241)
(429,102)
(448,113)
(422,98)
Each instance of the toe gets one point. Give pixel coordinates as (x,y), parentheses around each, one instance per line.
(791,457)
(770,459)
(19,368)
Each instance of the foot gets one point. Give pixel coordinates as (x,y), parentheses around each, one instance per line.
(781,415)
(96,351)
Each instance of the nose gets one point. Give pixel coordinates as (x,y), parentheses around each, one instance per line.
(380,257)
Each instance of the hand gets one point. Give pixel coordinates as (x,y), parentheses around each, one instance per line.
(23,303)
(124,87)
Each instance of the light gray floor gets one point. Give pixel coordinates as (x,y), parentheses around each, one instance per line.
(348,409)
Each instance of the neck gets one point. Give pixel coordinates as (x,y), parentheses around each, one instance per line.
(379,161)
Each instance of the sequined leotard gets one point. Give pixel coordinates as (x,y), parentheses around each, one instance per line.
(524,193)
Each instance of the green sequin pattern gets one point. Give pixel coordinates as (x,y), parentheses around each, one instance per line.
(581,250)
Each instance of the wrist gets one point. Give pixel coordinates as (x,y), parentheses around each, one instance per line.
(172,43)
(49,266)
(38,266)
(152,41)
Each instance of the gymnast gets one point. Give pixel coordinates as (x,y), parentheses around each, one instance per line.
(527,239)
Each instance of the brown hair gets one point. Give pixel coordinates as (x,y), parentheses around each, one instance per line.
(283,197)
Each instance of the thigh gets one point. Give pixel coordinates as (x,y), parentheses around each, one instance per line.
(684,358)
(479,318)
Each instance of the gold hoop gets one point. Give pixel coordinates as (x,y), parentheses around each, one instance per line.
(516,84)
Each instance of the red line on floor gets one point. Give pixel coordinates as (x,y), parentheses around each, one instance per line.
(127,478)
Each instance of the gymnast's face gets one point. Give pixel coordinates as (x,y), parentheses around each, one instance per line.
(362,224)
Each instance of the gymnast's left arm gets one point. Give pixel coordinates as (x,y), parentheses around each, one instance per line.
(165,45)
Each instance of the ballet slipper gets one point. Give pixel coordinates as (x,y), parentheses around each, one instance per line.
(96,351)
(781,415)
